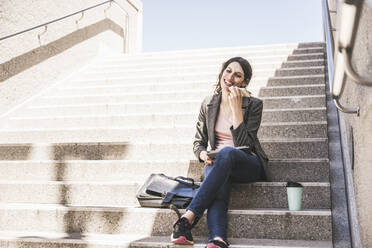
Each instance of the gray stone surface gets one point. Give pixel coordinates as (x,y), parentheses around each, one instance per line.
(166,133)
(156,119)
(302,170)
(299,71)
(293,130)
(294,115)
(304,63)
(311,44)
(106,165)
(295,80)
(118,193)
(297,90)
(296,148)
(158,222)
(285,102)
(275,148)
(296,57)
(76,240)
(308,50)
(359,95)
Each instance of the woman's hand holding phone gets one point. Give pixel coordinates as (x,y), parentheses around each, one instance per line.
(207,160)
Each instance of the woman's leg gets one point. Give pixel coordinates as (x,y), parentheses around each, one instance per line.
(230,162)
(243,168)
(214,193)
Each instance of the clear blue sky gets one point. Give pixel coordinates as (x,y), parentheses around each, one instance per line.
(192,24)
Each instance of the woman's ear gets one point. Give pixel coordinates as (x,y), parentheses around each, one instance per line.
(243,85)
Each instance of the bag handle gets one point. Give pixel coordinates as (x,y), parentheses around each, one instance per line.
(185,179)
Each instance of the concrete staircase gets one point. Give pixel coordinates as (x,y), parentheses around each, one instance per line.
(73,157)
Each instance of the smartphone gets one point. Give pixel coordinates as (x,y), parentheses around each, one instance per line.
(213,153)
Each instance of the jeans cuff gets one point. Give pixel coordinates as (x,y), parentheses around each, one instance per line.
(195,212)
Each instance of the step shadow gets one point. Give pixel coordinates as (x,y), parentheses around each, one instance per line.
(77,222)
(36,56)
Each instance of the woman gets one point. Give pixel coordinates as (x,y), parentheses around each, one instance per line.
(226,120)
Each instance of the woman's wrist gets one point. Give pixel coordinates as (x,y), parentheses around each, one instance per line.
(203,155)
(237,119)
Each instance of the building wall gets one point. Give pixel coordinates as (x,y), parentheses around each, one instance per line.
(28,65)
(358,95)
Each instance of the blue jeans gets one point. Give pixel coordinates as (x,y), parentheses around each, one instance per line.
(230,166)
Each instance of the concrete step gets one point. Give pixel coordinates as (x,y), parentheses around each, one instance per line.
(294,115)
(268,56)
(187,61)
(259,70)
(152,133)
(112,149)
(312,56)
(118,193)
(299,71)
(261,224)
(311,44)
(180,67)
(143,73)
(301,170)
(224,52)
(94,87)
(156,119)
(91,87)
(76,240)
(179,57)
(294,90)
(274,62)
(166,96)
(303,63)
(113,98)
(296,80)
(165,78)
(279,102)
(309,50)
(131,107)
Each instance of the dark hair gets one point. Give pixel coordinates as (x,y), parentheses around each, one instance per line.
(247,69)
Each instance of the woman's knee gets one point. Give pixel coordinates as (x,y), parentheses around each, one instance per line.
(227,153)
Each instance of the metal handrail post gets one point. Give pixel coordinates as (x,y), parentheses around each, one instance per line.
(334,72)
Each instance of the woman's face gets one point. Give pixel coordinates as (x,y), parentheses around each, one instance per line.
(233,75)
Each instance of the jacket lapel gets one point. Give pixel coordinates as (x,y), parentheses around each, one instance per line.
(245,104)
(212,113)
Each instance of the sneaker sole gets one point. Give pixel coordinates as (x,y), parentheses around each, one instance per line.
(181,241)
(212,246)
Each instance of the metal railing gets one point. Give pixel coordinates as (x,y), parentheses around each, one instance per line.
(341,54)
(336,75)
(45,25)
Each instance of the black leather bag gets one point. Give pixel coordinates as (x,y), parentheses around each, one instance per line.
(160,191)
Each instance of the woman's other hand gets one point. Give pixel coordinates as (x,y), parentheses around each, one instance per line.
(235,103)
(207,160)
(235,100)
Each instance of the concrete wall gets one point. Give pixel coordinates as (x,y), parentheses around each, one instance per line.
(357,95)
(28,65)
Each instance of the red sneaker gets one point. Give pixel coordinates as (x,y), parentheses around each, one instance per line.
(182,232)
(216,244)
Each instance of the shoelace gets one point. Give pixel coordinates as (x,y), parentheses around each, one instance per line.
(175,209)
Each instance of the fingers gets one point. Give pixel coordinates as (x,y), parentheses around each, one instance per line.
(208,161)
(234,91)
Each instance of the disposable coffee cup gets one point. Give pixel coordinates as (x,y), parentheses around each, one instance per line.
(294,195)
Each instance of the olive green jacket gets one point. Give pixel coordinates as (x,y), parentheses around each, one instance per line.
(244,135)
